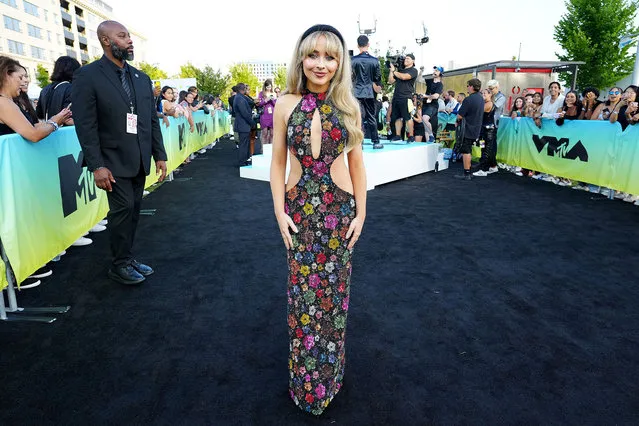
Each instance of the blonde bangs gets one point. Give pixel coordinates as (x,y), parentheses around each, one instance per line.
(340,91)
(333,45)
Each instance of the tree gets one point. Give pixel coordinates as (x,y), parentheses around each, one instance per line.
(152,70)
(213,82)
(590,32)
(386,87)
(242,73)
(188,71)
(42,76)
(279,80)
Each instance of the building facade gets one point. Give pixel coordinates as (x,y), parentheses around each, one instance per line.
(37,32)
(264,69)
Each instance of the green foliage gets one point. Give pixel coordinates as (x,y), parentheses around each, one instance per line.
(42,76)
(211,81)
(386,87)
(188,71)
(152,70)
(242,73)
(279,80)
(207,79)
(590,32)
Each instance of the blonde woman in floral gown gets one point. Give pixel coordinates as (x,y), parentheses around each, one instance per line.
(320,211)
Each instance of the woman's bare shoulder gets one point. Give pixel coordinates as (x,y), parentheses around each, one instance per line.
(286,103)
(290,99)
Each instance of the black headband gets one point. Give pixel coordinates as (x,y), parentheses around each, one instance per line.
(323,27)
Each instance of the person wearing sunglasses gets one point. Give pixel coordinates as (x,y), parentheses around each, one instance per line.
(603,110)
(626,112)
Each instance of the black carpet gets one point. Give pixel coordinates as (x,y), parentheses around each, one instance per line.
(497,301)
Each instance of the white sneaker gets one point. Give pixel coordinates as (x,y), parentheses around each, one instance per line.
(605,192)
(631,198)
(97,228)
(202,151)
(495,170)
(480,173)
(82,241)
(103,222)
(516,174)
(636,203)
(620,195)
(145,193)
(29,283)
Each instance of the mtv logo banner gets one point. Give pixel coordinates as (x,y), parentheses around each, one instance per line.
(48,200)
(594,152)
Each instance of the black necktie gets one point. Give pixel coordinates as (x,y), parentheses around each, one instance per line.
(125,84)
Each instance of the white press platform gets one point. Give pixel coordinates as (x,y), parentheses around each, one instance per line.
(395,161)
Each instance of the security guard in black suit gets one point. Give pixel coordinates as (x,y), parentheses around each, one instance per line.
(118,129)
(367,77)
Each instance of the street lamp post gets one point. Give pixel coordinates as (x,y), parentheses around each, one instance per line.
(626,40)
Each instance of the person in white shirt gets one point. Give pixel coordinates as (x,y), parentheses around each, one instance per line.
(553,102)
(451,102)
(499,99)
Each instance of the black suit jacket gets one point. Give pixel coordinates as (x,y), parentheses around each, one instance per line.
(100,106)
(243,114)
(366,71)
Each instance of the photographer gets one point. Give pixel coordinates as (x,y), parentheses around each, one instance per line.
(404,81)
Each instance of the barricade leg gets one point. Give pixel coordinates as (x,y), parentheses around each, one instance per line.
(21,314)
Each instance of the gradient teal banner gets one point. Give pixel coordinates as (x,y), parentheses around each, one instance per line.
(594,152)
(443,119)
(48,200)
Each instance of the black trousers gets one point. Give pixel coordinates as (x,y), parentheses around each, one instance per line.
(489,152)
(434,120)
(125,200)
(244,148)
(369,118)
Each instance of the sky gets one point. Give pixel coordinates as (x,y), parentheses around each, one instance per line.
(207,32)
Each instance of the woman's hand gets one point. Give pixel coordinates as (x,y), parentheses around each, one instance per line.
(354,231)
(62,116)
(285,222)
(632,108)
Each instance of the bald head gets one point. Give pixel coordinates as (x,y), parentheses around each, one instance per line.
(109,27)
(115,40)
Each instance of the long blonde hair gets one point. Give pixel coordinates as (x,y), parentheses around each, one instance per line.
(340,90)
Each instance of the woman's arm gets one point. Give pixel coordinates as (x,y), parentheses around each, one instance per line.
(596,112)
(191,123)
(278,171)
(358,177)
(614,114)
(11,115)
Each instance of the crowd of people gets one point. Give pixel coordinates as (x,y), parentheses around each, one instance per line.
(252,119)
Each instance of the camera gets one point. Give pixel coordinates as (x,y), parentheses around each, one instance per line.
(397,60)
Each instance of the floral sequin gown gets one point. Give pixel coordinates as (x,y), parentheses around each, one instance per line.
(319,260)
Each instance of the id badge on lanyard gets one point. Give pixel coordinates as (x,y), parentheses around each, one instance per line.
(132,123)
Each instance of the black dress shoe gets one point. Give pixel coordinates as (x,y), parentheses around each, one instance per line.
(143,269)
(125,275)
